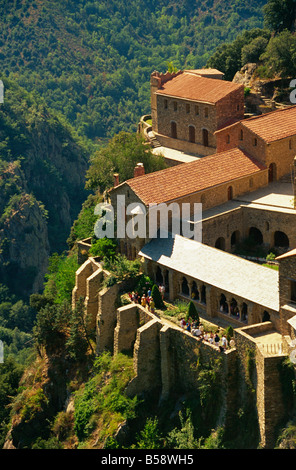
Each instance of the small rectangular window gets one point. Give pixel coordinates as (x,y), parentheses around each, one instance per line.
(206,112)
(187,108)
(255,142)
(196,110)
(165,104)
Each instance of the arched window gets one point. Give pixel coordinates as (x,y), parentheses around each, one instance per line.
(185,288)
(203,297)
(220,243)
(256,235)
(223,304)
(281,239)
(229,193)
(173,130)
(266,316)
(194,291)
(235,238)
(192,134)
(205,137)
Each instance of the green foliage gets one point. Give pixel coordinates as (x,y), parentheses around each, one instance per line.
(288,383)
(83,226)
(150,437)
(252,51)
(104,248)
(121,267)
(280,54)
(103,396)
(228,57)
(50,329)
(229,333)
(10,374)
(280,15)
(79,334)
(192,312)
(156,295)
(270,257)
(144,283)
(121,155)
(183,438)
(89,60)
(60,279)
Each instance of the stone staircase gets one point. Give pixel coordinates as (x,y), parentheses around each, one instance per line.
(153,140)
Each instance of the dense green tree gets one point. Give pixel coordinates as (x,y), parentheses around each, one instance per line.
(280,54)
(192,312)
(228,57)
(251,52)
(156,295)
(280,15)
(121,155)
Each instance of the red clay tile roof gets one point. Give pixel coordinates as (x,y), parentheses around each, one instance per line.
(273,126)
(188,178)
(191,86)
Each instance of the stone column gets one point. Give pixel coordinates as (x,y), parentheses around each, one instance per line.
(190,283)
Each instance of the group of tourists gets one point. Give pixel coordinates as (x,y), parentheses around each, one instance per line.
(146,300)
(197,330)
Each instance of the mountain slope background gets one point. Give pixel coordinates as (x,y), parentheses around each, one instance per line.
(92,60)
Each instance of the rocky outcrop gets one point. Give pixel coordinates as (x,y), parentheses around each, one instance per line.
(264,95)
(25,247)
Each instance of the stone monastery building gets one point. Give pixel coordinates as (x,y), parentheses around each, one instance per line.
(242,171)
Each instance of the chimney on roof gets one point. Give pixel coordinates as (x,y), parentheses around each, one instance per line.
(115,179)
(139,170)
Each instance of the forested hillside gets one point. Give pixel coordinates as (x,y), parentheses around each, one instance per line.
(43,166)
(76,77)
(92,59)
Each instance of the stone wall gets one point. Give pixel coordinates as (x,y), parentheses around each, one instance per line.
(264,379)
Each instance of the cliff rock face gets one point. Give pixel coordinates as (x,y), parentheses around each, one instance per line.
(42,172)
(25,246)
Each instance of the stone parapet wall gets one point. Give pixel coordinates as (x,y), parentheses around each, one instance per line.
(264,378)
(147,359)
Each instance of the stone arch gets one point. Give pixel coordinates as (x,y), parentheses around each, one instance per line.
(256,235)
(223,304)
(234,307)
(191,130)
(194,291)
(166,281)
(235,238)
(174,130)
(281,239)
(185,286)
(220,243)
(265,316)
(158,275)
(272,172)
(203,295)
(244,312)
(205,137)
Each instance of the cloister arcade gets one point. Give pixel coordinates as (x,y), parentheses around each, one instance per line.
(277,240)
(212,301)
